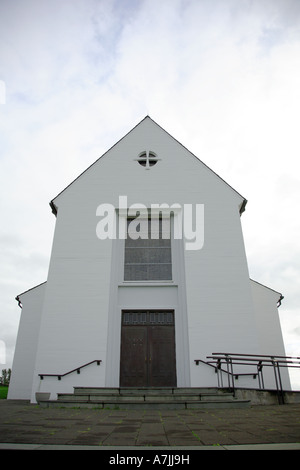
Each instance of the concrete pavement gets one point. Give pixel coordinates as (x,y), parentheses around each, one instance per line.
(27,426)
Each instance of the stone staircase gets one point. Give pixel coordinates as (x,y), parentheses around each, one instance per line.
(147,398)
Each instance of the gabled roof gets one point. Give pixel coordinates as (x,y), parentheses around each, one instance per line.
(54,207)
(28,290)
(280,296)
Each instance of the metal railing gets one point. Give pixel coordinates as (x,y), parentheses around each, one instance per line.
(78,369)
(257,362)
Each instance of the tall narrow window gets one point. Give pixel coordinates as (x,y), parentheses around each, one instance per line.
(148,250)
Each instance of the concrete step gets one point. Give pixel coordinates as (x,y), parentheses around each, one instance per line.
(146,398)
(136,405)
(143,398)
(126,391)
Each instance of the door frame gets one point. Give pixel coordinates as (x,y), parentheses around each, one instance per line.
(131,295)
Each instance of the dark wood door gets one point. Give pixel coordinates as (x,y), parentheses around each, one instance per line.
(161,346)
(133,356)
(148,349)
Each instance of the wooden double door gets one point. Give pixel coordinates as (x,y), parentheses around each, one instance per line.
(148,349)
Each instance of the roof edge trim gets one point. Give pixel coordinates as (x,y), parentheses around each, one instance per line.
(280,298)
(17,298)
(242,206)
(52,205)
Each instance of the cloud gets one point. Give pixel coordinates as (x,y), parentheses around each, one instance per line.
(221,76)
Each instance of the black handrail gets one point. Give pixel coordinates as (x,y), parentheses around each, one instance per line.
(259,361)
(59,376)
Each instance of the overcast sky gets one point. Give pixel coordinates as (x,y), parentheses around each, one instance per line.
(221,76)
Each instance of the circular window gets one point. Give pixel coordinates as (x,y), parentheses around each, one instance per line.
(147,159)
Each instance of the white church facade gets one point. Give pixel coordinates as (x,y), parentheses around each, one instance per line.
(148,272)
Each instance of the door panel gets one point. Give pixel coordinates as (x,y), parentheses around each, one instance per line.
(148,349)
(133,356)
(162,372)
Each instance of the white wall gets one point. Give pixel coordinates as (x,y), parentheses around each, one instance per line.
(26,345)
(221,314)
(269,330)
(74,317)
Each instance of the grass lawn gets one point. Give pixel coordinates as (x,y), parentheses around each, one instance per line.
(3,392)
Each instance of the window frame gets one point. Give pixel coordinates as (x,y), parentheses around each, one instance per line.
(141,263)
(121,257)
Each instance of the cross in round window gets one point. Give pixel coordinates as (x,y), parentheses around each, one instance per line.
(147,159)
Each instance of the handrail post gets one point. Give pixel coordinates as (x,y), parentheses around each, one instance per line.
(278,381)
(230,373)
(219,368)
(232,376)
(280,384)
(260,376)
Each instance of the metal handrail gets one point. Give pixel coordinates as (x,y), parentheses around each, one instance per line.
(59,376)
(259,361)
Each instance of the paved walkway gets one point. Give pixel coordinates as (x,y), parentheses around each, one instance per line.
(24,425)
